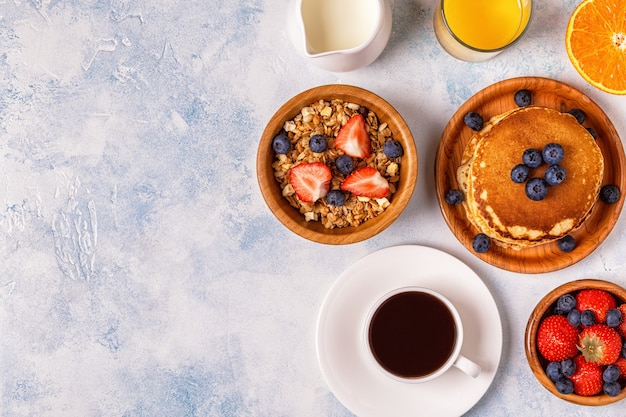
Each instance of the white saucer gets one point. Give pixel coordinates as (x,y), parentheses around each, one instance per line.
(343,356)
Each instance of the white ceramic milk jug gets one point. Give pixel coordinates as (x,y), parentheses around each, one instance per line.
(340,35)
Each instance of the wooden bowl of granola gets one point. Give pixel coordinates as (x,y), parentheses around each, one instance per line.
(549,306)
(342,207)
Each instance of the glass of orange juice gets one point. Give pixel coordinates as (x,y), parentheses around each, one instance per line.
(477,30)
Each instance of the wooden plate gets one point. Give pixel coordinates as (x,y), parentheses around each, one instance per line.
(314,230)
(544,308)
(497,99)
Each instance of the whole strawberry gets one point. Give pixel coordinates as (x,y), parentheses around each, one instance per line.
(600,344)
(598,301)
(621,328)
(621,364)
(557,339)
(588,377)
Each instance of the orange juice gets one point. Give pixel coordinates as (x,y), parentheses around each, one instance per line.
(476,30)
(486,24)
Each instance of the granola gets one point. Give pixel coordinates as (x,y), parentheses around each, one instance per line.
(326,118)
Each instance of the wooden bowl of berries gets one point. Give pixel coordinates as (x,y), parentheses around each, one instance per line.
(336,164)
(575,342)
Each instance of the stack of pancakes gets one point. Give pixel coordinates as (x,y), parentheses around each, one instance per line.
(499,207)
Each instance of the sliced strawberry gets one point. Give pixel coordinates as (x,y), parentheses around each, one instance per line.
(353,138)
(310,180)
(366,182)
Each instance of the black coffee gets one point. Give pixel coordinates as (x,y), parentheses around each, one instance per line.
(412,334)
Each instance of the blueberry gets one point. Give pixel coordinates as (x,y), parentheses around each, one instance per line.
(592,132)
(612,389)
(519,173)
(335,198)
(610,373)
(568,367)
(565,386)
(532,158)
(344,164)
(553,370)
(579,115)
(613,317)
(454,197)
(393,149)
(364,111)
(624,349)
(522,98)
(481,243)
(574,318)
(318,143)
(554,175)
(609,194)
(587,318)
(281,143)
(552,153)
(473,120)
(566,303)
(566,243)
(536,189)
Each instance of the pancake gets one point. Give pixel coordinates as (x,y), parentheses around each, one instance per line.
(499,207)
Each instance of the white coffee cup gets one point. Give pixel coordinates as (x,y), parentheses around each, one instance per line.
(415,334)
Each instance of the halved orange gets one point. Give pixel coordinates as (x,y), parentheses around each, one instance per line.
(596,43)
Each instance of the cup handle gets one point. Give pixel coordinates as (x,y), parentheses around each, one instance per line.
(468,366)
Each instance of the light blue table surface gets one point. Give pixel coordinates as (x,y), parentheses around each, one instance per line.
(142,273)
